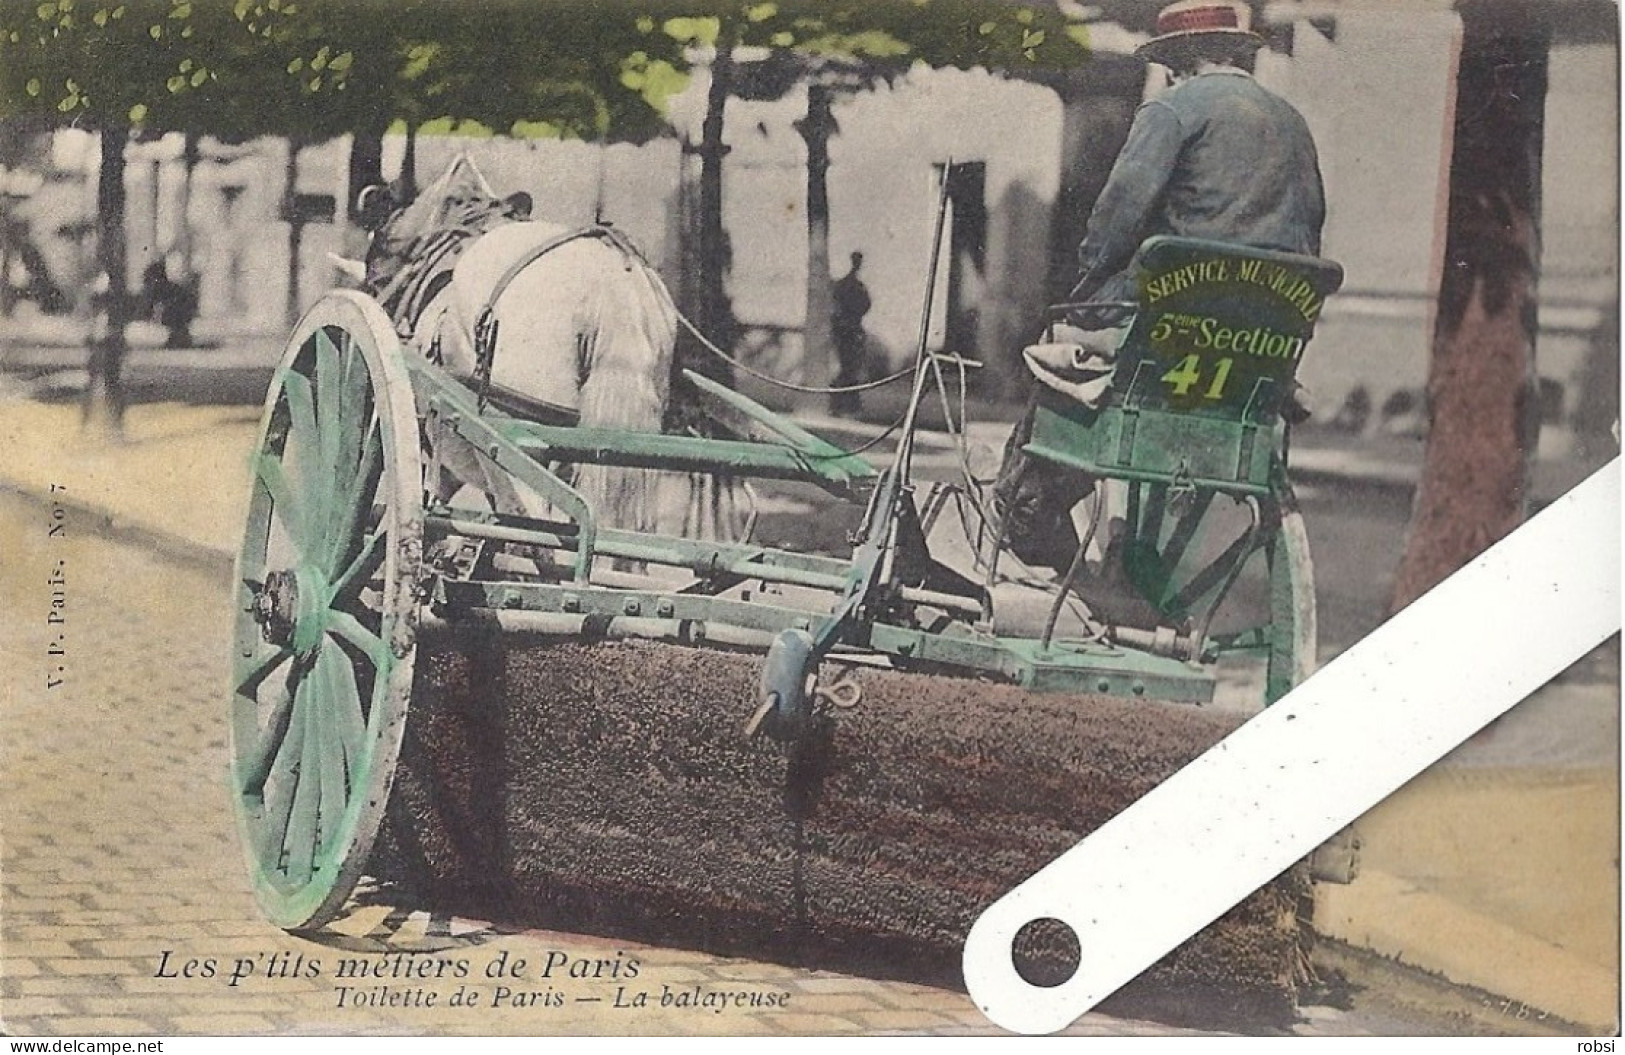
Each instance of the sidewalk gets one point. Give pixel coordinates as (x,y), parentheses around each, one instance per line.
(178,482)
(1498,869)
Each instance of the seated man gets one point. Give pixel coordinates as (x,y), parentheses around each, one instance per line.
(1216,156)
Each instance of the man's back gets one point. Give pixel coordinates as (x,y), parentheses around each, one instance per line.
(851,299)
(1218,157)
(1248,172)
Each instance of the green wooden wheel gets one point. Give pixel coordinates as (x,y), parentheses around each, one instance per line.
(1182,555)
(326,610)
(1293,631)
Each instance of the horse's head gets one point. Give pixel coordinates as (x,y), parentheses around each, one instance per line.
(458,201)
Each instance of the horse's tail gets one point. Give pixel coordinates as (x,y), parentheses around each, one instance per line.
(627,387)
(625,364)
(707,506)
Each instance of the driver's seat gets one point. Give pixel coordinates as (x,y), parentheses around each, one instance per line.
(1203,374)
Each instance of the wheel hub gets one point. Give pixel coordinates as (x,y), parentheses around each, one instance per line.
(274,606)
(291,609)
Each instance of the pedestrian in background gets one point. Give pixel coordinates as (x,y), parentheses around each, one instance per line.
(851,304)
(172,304)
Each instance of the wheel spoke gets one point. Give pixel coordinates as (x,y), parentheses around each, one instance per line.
(303,448)
(347,627)
(354,494)
(355,410)
(371,460)
(253,671)
(1185,530)
(329,396)
(286,508)
(301,406)
(355,365)
(256,769)
(299,842)
(359,571)
(346,719)
(1214,575)
(273,831)
(326,719)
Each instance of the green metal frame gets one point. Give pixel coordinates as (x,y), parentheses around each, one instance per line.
(702,620)
(1178,454)
(780,450)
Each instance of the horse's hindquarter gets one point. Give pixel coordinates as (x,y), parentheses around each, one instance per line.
(581,326)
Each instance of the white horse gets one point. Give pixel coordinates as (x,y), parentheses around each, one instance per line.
(586,328)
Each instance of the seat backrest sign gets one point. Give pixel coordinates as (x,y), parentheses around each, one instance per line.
(1220,330)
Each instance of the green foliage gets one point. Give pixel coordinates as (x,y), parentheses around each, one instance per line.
(158,65)
(314,68)
(878,39)
(569,67)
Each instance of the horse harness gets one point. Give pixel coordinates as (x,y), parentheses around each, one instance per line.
(414,286)
(486,326)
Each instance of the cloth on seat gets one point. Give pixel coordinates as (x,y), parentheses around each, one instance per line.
(1075,362)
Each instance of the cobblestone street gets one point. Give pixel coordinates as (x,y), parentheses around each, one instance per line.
(123,879)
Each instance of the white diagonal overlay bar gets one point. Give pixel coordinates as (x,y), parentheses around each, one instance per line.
(1268,794)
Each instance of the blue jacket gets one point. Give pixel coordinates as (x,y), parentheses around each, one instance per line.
(1216,157)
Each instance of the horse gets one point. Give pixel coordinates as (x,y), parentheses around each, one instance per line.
(586,332)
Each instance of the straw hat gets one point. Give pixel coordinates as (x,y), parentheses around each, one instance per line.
(1196,20)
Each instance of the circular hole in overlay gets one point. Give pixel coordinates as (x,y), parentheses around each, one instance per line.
(1046,952)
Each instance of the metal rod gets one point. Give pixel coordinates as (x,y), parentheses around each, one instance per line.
(689,631)
(495,532)
(677,550)
(566,624)
(1070,578)
(652,553)
(905,444)
(1251,534)
(936,599)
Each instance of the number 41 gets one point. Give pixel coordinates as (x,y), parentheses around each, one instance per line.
(1189,372)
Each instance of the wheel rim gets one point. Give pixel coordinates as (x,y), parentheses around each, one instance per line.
(1293,631)
(326,610)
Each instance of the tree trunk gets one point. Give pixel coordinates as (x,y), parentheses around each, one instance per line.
(1482,395)
(816,128)
(103,409)
(366,167)
(713,311)
(191,154)
(296,227)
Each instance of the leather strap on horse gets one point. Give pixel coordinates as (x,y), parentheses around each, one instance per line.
(485,327)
